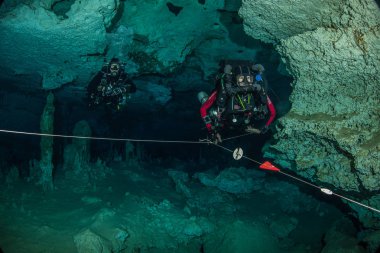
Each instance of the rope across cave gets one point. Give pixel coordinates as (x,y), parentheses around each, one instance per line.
(206,141)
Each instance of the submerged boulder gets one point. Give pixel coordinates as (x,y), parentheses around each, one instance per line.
(372,239)
(369,218)
(76,155)
(341,239)
(234,180)
(243,238)
(89,242)
(282,226)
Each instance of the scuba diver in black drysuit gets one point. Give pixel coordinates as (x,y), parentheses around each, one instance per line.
(111,86)
(239,101)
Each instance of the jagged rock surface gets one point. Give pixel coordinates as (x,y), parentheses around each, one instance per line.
(341,239)
(37,41)
(77,154)
(89,242)
(242,237)
(336,98)
(332,133)
(271,21)
(68,40)
(46,144)
(178,28)
(233,180)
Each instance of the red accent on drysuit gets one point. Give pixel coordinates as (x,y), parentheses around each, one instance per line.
(272,111)
(206,105)
(268,166)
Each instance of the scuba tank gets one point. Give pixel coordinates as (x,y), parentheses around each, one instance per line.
(202,97)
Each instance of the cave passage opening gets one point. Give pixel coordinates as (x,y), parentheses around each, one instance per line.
(178,119)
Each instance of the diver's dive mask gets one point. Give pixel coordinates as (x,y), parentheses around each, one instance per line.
(244,78)
(114,69)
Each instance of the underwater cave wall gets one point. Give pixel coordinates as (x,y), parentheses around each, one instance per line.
(68,41)
(332,49)
(37,40)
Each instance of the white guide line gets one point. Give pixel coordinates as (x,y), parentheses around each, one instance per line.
(324,190)
(99,138)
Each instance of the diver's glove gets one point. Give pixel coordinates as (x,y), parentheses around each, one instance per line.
(93,100)
(252,130)
(264,130)
(215,138)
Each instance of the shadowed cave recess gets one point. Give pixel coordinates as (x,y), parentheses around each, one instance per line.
(89,196)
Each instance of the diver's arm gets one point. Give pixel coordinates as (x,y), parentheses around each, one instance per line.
(205,107)
(127,87)
(114,91)
(272,111)
(94,83)
(94,92)
(128,84)
(120,89)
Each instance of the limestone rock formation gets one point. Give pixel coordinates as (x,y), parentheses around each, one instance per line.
(373,240)
(35,40)
(300,202)
(341,238)
(369,218)
(336,97)
(242,237)
(77,154)
(47,127)
(233,180)
(180,179)
(68,40)
(166,33)
(271,21)
(283,226)
(332,50)
(89,242)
